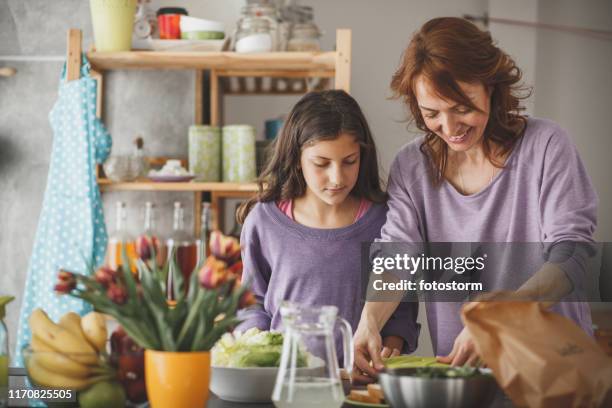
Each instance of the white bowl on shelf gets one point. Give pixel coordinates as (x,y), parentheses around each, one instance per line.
(199,24)
(187,45)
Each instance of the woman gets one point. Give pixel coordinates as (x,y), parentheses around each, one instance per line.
(481,173)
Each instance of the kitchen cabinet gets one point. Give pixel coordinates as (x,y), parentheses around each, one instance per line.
(284,72)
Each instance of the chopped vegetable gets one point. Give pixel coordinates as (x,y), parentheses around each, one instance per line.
(253,348)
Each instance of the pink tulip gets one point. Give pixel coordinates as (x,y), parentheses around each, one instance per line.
(213,274)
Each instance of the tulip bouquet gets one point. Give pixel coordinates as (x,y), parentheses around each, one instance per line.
(196,317)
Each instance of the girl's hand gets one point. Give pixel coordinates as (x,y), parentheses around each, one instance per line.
(368,347)
(463,352)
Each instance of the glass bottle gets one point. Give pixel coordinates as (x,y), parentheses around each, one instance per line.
(205,230)
(4,352)
(237,229)
(150,230)
(138,162)
(182,245)
(120,238)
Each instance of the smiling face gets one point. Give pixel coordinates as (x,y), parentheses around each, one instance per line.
(331,168)
(461,127)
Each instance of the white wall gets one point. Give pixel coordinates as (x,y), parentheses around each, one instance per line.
(574,88)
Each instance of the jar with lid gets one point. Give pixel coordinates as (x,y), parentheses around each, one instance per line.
(254,35)
(304,37)
(260,10)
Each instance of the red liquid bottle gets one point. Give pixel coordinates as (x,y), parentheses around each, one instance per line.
(183,247)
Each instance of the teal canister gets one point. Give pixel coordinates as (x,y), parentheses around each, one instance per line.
(205,152)
(239,153)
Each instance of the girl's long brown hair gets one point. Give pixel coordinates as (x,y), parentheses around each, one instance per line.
(317,116)
(447,50)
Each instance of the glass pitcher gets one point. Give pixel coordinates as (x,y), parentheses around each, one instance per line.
(311,330)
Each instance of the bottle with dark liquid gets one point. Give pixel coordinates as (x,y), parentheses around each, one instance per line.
(119,239)
(182,245)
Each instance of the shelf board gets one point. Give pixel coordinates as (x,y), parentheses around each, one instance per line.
(321,62)
(145,185)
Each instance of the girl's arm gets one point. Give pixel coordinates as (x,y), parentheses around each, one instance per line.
(256,274)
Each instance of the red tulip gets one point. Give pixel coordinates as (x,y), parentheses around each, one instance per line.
(66,282)
(247,299)
(213,274)
(105,276)
(236,269)
(117,294)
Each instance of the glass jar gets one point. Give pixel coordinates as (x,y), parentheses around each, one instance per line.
(304,37)
(257,11)
(254,35)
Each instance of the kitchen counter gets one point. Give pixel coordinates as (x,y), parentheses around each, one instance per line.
(17,379)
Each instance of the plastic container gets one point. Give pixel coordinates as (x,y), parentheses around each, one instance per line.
(113,21)
(239,153)
(169,22)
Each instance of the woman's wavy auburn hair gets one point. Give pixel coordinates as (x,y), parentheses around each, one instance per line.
(317,116)
(449,50)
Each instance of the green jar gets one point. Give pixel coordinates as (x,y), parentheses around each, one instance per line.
(205,152)
(239,153)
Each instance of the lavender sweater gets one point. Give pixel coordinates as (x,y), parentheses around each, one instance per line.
(542,195)
(284,260)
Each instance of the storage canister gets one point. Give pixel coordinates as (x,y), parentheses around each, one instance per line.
(238,153)
(113,21)
(169,22)
(205,152)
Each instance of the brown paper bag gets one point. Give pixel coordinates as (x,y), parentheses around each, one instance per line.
(539,358)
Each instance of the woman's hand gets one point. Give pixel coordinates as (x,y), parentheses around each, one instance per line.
(463,352)
(368,347)
(392,346)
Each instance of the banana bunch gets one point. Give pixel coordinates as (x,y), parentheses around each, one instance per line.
(67,354)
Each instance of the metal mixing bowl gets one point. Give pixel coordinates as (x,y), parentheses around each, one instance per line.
(403,390)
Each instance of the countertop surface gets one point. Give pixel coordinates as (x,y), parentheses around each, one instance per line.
(17,378)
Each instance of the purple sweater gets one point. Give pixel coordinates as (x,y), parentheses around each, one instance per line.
(284,260)
(542,195)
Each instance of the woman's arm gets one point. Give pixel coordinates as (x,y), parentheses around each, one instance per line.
(401,226)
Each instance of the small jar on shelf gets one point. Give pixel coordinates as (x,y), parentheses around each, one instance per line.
(254,35)
(304,37)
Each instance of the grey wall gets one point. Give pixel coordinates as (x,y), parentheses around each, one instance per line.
(570,75)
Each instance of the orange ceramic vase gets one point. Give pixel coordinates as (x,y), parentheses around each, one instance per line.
(177,379)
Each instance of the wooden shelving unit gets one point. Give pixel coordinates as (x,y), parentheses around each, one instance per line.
(273,73)
(147,185)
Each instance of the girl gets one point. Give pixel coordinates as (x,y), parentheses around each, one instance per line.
(322,198)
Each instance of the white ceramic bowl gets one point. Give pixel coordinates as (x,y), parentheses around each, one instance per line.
(254,384)
(199,24)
